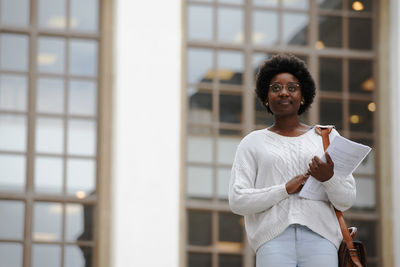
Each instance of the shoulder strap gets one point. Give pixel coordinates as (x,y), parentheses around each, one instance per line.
(324,132)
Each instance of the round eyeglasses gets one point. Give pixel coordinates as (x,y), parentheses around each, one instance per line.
(291,87)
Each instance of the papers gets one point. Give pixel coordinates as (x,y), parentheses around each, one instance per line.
(346,155)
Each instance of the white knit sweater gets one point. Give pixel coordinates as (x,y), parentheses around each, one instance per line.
(264,162)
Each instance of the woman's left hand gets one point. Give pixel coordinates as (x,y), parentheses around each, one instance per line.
(320,170)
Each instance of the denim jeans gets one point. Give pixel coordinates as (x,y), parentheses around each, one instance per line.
(297,246)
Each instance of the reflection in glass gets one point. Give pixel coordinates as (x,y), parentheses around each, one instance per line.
(199,260)
(81,177)
(330,4)
(11,254)
(79,222)
(47,221)
(14,51)
(230,67)
(82,97)
(361,118)
(230,25)
(295,28)
(230,108)
(49,135)
(13,132)
(258,60)
(200,105)
(199,182)
(330,31)
(46,255)
(200,148)
(229,260)
(360,33)
(223,175)
(231,1)
(200,66)
(200,22)
(360,6)
(15,12)
(199,228)
(12,173)
(262,117)
(13,92)
(82,137)
(230,227)
(265,27)
(331,113)
(50,95)
(365,193)
(48,175)
(227,148)
(12,219)
(268,3)
(52,14)
(84,15)
(360,76)
(51,54)
(78,256)
(330,74)
(299,4)
(83,57)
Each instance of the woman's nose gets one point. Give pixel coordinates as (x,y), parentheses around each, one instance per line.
(284,91)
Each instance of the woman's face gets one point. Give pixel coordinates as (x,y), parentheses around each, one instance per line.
(284,95)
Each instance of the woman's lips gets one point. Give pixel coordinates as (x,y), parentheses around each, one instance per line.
(285,102)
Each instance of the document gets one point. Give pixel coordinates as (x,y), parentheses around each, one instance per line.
(346,156)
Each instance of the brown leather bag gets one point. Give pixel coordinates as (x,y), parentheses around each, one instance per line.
(351,253)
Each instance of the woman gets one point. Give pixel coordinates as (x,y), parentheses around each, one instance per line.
(272,165)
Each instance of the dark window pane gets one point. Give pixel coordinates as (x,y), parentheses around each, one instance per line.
(262,117)
(360,33)
(230,227)
(330,4)
(79,222)
(361,116)
(230,108)
(199,228)
(330,31)
(367,234)
(360,76)
(199,260)
(331,113)
(330,74)
(226,260)
(200,105)
(295,28)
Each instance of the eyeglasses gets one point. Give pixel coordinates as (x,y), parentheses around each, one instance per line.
(291,87)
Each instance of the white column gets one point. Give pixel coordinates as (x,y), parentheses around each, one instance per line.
(146,133)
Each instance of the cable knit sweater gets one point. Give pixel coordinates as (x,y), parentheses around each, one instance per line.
(264,162)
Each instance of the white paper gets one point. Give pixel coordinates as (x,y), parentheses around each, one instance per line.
(346,156)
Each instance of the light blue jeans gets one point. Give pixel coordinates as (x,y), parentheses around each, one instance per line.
(297,246)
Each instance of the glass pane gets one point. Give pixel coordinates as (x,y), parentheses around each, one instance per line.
(48,175)
(46,255)
(12,219)
(47,221)
(51,55)
(14,51)
(295,28)
(82,137)
(262,117)
(330,4)
(224,175)
(50,95)
(13,92)
(331,113)
(330,32)
(230,108)
(300,4)
(265,27)
(230,67)
(361,117)
(199,228)
(200,65)
(13,132)
(15,12)
(367,233)
(83,57)
(269,3)
(361,79)
(49,135)
(258,60)
(78,256)
(230,227)
(200,105)
(228,260)
(227,148)
(79,222)
(231,1)
(230,25)
(367,166)
(52,14)
(360,33)
(82,98)
(200,148)
(360,6)
(81,177)
(199,182)
(200,22)
(199,260)
(365,193)
(12,173)
(330,74)
(84,15)
(11,254)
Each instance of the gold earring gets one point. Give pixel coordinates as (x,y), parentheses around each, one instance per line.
(302,102)
(266,104)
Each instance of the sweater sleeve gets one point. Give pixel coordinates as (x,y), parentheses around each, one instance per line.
(244,198)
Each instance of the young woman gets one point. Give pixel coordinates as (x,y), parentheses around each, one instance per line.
(272,165)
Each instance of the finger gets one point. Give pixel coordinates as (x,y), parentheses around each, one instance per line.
(328,158)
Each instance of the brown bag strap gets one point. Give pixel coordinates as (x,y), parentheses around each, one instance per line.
(324,132)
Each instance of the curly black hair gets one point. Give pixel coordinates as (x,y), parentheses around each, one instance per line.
(285,63)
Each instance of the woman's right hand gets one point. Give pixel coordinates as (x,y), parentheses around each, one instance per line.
(295,184)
